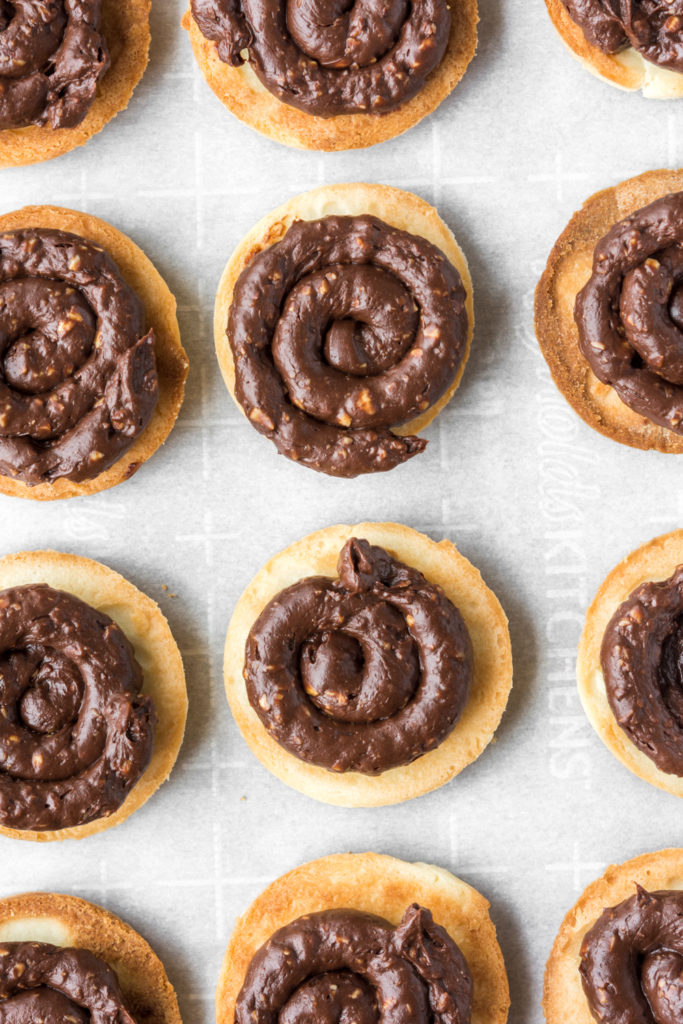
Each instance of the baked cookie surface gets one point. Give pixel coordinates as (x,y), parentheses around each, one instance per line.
(144,626)
(353,430)
(158,314)
(626,69)
(240,90)
(568,272)
(563,995)
(125,27)
(68,921)
(441,564)
(385,887)
(654,562)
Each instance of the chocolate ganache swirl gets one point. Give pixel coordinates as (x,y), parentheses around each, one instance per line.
(44,984)
(652,27)
(339,966)
(331,57)
(632,960)
(78,379)
(52,55)
(630,313)
(75,732)
(642,663)
(341,330)
(361,673)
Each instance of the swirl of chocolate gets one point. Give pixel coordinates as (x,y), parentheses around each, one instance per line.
(330,57)
(343,329)
(361,673)
(52,55)
(75,732)
(78,380)
(632,960)
(44,984)
(642,663)
(339,966)
(630,313)
(652,27)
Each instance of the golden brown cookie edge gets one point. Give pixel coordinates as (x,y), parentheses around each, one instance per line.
(400,209)
(148,631)
(160,308)
(259,109)
(441,563)
(142,976)
(571,258)
(655,560)
(126,27)
(381,885)
(563,997)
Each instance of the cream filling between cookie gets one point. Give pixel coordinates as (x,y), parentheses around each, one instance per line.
(655,83)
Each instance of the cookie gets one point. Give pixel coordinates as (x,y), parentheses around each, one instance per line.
(385,887)
(125,27)
(241,91)
(564,997)
(381,382)
(144,627)
(485,697)
(654,562)
(597,233)
(627,68)
(142,383)
(67,921)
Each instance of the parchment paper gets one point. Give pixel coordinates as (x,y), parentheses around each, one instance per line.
(542,504)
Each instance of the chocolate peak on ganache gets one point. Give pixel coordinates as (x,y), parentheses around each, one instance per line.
(360,673)
(339,965)
(632,960)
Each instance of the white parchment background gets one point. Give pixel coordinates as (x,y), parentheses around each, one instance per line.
(542,504)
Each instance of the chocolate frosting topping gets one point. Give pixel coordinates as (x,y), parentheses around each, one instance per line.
(630,313)
(78,380)
(642,662)
(330,57)
(652,27)
(52,55)
(44,984)
(632,961)
(361,673)
(75,732)
(340,966)
(341,330)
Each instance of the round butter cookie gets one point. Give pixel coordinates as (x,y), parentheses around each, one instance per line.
(343,80)
(609,311)
(343,322)
(92,372)
(632,59)
(94,701)
(366,665)
(64,959)
(82,62)
(411,928)
(626,663)
(618,953)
